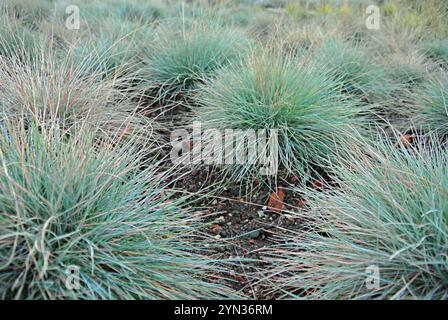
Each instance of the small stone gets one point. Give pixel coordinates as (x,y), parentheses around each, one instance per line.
(264,208)
(215,201)
(220,219)
(254,234)
(261,214)
(229,223)
(218,236)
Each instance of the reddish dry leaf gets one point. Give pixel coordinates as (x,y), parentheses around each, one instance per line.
(407,139)
(216,228)
(275,201)
(239,278)
(213,277)
(317,184)
(252,241)
(301,203)
(294,179)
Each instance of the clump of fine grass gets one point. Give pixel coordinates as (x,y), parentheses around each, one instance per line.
(438,50)
(408,69)
(309,116)
(136,11)
(423,17)
(113,49)
(358,72)
(429,110)
(63,89)
(179,59)
(30,12)
(382,234)
(83,219)
(16,40)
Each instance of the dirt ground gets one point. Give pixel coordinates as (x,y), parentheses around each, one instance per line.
(242,225)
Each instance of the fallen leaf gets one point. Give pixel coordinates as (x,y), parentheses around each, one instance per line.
(301,203)
(216,228)
(407,139)
(275,201)
(294,179)
(317,184)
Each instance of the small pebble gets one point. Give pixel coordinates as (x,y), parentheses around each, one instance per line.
(220,219)
(254,234)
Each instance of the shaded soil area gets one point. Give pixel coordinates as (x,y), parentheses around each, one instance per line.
(242,226)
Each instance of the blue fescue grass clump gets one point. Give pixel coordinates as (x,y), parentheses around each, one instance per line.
(293,96)
(16,40)
(429,110)
(409,70)
(65,89)
(113,49)
(381,234)
(358,71)
(139,11)
(180,58)
(437,50)
(123,11)
(72,205)
(30,12)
